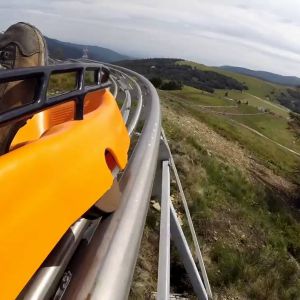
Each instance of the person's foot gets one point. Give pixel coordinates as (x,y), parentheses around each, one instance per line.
(21,45)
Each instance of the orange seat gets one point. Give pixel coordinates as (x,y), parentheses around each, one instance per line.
(56,170)
(56,115)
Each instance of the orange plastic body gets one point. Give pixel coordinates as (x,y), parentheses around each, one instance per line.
(47,182)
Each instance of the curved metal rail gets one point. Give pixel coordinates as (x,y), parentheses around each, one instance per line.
(139,105)
(115,86)
(135,118)
(106,266)
(103,257)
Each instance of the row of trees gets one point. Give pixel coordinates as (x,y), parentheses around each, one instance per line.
(166,85)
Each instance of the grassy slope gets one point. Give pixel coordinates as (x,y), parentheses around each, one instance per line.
(249,237)
(195,96)
(272,126)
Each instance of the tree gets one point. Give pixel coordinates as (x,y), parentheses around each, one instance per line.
(171,85)
(294,123)
(156,81)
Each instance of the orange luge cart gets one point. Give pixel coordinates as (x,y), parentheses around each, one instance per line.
(58,166)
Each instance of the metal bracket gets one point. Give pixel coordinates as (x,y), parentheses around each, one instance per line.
(170,227)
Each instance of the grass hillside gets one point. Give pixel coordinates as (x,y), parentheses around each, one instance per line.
(242,191)
(238,156)
(248,232)
(266,134)
(255,86)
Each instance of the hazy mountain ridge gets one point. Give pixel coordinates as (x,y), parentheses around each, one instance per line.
(264,75)
(63,50)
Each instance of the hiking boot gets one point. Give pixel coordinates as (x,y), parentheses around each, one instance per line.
(21,45)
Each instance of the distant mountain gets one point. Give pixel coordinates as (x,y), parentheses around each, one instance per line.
(64,50)
(267,76)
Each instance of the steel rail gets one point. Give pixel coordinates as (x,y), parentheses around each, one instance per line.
(126,106)
(104,269)
(136,116)
(125,109)
(44,282)
(127,102)
(115,86)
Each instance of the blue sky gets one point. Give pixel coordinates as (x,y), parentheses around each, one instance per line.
(257,34)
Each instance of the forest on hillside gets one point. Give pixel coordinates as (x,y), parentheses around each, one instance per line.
(162,69)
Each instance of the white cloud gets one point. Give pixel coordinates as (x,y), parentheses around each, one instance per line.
(256,34)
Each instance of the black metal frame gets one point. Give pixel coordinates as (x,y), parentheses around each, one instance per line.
(42,74)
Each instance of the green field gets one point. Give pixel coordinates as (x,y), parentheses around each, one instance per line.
(196,97)
(225,120)
(256,102)
(237,110)
(274,127)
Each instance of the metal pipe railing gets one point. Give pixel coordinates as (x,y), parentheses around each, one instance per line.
(104,269)
(136,115)
(44,283)
(125,109)
(126,106)
(115,86)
